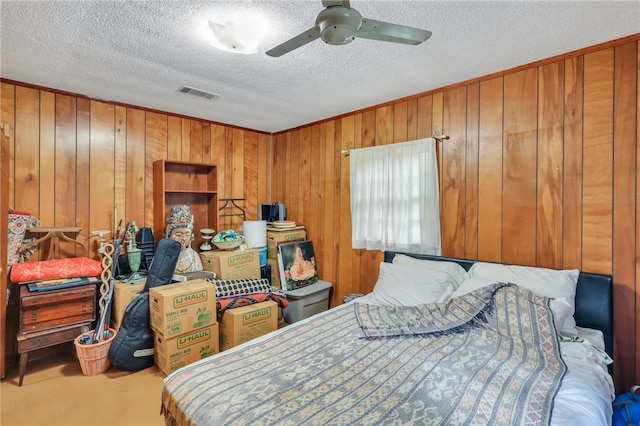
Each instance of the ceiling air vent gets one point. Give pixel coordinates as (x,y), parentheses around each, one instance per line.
(197,92)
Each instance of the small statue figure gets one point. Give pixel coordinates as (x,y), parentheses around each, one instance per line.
(180,229)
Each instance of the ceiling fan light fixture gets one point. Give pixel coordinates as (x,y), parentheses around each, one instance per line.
(338,25)
(241,34)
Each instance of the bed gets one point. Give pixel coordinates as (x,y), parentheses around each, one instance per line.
(438,341)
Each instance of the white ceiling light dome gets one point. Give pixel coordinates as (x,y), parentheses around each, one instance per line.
(238,34)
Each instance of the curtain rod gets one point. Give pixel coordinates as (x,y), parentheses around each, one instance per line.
(441,137)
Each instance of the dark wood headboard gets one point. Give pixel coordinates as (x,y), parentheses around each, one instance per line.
(594,297)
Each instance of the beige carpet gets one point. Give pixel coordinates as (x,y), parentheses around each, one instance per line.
(55,392)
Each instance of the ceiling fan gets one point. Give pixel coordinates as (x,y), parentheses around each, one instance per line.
(339,24)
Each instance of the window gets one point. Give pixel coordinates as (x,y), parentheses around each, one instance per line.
(394,197)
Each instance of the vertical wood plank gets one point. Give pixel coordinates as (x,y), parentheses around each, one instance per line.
(322,173)
(83,167)
(412,119)
(156,143)
(174,138)
(27,150)
(453,210)
(136,184)
(293,175)
(304,176)
(549,191)
(185,140)
(264,168)
(218,155)
(279,168)
(356,255)
(101,166)
(572,170)
(345,272)
(121,177)
(400,122)
(471,174)
(336,222)
(425,117)
(196,141)
(47,158)
(206,144)
(519,168)
(437,127)
(251,175)
(384,125)
(624,207)
(66,174)
(490,171)
(597,181)
(636,314)
(313,214)
(328,259)
(237,178)
(7,119)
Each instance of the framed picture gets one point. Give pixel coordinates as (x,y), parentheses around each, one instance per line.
(297,264)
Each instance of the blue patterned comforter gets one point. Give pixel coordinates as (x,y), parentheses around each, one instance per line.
(484,358)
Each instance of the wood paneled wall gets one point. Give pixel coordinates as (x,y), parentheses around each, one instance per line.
(75,159)
(541,168)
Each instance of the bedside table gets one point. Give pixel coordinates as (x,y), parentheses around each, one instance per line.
(48,318)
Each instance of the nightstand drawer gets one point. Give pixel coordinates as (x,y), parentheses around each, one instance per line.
(55,308)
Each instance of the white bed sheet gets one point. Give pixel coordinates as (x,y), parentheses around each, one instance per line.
(587,389)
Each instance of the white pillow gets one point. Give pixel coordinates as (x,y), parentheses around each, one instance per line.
(472,284)
(399,285)
(553,283)
(457,272)
(560,307)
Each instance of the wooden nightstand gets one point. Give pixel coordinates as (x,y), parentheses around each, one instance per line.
(52,317)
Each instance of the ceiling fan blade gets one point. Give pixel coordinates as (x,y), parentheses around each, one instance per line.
(328,3)
(385,31)
(298,41)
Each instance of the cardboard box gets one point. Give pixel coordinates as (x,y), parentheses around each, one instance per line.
(123,294)
(173,353)
(275,272)
(239,325)
(275,237)
(179,308)
(232,264)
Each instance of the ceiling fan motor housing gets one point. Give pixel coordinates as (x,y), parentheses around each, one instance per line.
(338,24)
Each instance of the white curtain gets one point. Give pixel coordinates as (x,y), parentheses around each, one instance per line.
(394,197)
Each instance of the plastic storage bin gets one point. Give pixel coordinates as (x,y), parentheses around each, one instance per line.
(307,301)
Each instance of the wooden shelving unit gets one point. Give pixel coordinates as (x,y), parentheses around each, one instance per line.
(181,182)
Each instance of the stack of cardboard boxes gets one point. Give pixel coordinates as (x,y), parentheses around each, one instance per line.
(239,325)
(184,314)
(184,322)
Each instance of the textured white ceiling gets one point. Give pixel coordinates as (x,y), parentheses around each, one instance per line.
(142,52)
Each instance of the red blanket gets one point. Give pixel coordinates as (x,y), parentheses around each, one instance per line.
(55,269)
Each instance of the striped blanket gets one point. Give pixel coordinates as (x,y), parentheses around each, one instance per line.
(499,365)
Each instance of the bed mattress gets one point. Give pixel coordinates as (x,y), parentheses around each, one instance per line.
(323,370)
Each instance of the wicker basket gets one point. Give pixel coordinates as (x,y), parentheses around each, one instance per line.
(94,358)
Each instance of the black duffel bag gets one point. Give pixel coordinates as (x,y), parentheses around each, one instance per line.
(132,347)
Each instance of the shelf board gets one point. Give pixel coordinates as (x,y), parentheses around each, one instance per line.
(189,191)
